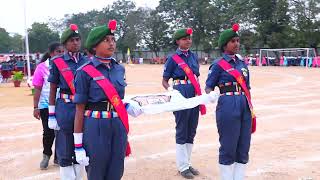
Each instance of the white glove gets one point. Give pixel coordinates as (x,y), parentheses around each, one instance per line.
(212,97)
(170,88)
(52,121)
(80,152)
(81,156)
(134,109)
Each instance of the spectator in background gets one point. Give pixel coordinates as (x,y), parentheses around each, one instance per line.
(37,59)
(6,69)
(41,101)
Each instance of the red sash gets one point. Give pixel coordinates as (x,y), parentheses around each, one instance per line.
(66,73)
(191,77)
(113,96)
(238,76)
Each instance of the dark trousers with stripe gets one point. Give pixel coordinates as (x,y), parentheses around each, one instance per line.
(233,118)
(65,114)
(186,120)
(105,141)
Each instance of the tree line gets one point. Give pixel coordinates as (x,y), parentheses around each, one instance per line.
(264,24)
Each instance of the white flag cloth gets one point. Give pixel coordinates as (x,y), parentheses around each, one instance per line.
(168,101)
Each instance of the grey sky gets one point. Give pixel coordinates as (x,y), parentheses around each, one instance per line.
(12,14)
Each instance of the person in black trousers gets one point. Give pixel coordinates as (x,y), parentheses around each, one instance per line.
(41,102)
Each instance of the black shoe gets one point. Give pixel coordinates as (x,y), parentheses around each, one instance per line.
(194,171)
(187,174)
(55,162)
(44,162)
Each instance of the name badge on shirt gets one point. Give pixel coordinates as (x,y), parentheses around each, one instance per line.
(244,72)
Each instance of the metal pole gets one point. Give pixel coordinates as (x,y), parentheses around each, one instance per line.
(260,58)
(268,58)
(307,60)
(26,39)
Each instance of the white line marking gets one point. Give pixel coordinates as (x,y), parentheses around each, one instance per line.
(272,166)
(44,175)
(163,132)
(13,155)
(204,147)
(11,125)
(24,136)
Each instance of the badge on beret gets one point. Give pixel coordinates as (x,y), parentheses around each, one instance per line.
(74,28)
(112,25)
(189,31)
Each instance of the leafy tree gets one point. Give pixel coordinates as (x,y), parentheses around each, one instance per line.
(305,22)
(4,41)
(272,19)
(123,12)
(17,43)
(40,35)
(85,22)
(156,32)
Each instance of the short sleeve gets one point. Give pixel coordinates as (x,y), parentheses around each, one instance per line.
(213,76)
(54,74)
(168,68)
(82,85)
(38,76)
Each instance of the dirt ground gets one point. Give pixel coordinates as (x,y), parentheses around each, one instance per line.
(285,147)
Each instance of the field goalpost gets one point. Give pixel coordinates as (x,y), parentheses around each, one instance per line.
(308,50)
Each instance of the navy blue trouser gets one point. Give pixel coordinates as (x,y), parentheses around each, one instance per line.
(105,141)
(186,120)
(233,118)
(65,114)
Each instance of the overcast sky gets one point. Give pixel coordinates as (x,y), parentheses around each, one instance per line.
(12,14)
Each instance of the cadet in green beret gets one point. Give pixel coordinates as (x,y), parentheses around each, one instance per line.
(101,116)
(234,112)
(62,108)
(183,68)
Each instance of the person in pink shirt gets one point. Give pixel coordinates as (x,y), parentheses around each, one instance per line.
(264,61)
(281,60)
(41,100)
(316,61)
(257,60)
(246,60)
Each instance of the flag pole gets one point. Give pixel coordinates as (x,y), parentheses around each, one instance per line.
(26,40)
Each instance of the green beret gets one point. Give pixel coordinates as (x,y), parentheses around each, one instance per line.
(180,33)
(72,31)
(227,35)
(97,34)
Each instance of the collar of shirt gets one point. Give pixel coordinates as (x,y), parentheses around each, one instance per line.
(67,57)
(72,56)
(229,57)
(184,52)
(47,63)
(96,62)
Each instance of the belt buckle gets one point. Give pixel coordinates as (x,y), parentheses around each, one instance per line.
(238,88)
